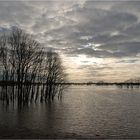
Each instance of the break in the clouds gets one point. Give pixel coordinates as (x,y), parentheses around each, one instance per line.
(97,40)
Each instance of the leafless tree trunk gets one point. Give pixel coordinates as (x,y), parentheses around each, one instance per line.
(30,69)
(55,75)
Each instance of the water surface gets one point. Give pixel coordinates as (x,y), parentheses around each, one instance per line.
(83,112)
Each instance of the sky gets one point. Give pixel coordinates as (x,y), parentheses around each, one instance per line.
(97,40)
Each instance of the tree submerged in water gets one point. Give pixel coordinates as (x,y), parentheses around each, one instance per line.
(28,72)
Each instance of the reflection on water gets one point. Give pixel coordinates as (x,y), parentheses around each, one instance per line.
(83,112)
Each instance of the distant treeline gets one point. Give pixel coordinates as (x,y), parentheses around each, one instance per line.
(10,83)
(25,65)
(102,84)
(118,84)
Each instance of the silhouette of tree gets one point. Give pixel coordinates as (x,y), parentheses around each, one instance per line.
(27,67)
(55,75)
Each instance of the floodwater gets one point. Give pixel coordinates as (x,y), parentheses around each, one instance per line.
(83,112)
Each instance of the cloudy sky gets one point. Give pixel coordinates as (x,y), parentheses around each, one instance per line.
(96,40)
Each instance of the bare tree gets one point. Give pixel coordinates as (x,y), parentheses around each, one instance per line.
(29,69)
(25,59)
(55,75)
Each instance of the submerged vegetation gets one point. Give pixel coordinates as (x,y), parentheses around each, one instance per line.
(28,72)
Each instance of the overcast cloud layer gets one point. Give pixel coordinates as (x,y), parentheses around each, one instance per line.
(97,40)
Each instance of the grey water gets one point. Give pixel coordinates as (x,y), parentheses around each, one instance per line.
(83,112)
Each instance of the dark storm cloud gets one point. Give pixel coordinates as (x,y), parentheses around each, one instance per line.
(128,61)
(16,13)
(108,38)
(117,31)
(126,48)
(104,29)
(93,24)
(73,27)
(133,31)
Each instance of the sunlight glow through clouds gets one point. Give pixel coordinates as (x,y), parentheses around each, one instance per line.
(96,39)
(84,60)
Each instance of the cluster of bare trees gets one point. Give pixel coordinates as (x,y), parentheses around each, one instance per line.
(28,71)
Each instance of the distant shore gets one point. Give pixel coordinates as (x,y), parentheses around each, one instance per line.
(11,83)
